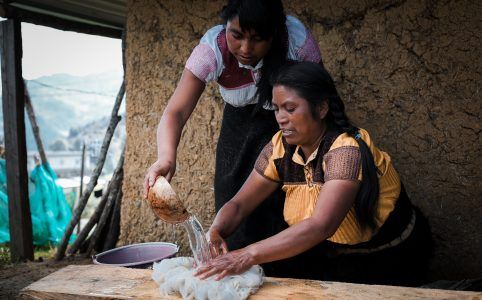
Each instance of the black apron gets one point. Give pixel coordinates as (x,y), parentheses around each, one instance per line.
(243,136)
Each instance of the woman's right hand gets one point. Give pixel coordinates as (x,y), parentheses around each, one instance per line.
(163,167)
(217,245)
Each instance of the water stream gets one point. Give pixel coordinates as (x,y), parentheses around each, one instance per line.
(167,206)
(197,240)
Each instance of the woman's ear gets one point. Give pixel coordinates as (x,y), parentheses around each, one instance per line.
(323,110)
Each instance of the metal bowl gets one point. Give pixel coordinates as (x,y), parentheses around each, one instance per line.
(136,255)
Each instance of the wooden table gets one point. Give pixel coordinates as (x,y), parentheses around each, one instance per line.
(94,281)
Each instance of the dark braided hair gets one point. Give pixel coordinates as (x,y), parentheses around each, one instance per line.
(314,84)
(268,19)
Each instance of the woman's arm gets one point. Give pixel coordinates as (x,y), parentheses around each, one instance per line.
(177,112)
(254,191)
(335,200)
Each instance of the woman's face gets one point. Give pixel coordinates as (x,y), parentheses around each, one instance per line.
(247,46)
(296,120)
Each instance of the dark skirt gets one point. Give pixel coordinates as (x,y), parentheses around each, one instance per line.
(405,264)
(243,136)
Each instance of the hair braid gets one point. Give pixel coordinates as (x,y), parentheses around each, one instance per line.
(367,198)
(338,117)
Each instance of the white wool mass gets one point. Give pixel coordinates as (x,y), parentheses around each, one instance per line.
(176,275)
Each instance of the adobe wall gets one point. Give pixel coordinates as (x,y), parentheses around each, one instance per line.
(408,71)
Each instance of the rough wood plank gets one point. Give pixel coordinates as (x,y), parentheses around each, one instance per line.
(21,246)
(93,281)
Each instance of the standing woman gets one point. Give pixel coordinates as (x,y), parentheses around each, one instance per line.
(240,55)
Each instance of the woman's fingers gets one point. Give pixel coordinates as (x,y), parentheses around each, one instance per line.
(217,245)
(224,247)
(169,175)
(150,179)
(157,169)
(206,271)
(214,250)
(222,275)
(146,186)
(218,248)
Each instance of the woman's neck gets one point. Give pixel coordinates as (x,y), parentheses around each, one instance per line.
(312,146)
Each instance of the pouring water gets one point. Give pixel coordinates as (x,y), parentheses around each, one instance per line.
(167,206)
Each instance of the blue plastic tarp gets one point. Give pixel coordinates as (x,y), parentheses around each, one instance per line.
(48,206)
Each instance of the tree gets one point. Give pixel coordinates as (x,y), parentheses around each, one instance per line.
(73,132)
(58,145)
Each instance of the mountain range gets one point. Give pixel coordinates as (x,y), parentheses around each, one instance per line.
(72,110)
(66,103)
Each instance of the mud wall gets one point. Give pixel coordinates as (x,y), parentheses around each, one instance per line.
(408,71)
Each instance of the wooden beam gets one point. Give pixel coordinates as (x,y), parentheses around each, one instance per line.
(7,11)
(21,246)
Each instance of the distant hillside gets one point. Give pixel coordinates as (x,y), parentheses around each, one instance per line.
(64,102)
(92,134)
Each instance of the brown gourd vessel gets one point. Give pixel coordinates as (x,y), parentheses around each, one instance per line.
(165,203)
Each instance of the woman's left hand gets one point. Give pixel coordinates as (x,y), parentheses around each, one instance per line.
(231,263)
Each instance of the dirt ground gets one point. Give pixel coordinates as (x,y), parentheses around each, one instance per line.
(14,277)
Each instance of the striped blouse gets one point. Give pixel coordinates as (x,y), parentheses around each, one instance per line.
(337,157)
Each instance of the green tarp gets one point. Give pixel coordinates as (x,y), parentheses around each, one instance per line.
(49,209)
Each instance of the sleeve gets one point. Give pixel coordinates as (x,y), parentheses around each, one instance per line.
(265,164)
(205,60)
(309,50)
(202,63)
(302,44)
(343,161)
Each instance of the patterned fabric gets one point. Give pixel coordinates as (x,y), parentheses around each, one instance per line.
(342,163)
(203,62)
(212,61)
(337,158)
(265,161)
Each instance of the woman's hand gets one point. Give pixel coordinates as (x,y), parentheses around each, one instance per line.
(217,245)
(231,263)
(164,167)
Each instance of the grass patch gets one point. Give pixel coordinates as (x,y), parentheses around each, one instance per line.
(4,255)
(44,252)
(40,253)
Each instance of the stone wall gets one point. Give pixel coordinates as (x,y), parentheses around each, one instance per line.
(408,71)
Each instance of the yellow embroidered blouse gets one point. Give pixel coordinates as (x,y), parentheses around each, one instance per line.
(337,157)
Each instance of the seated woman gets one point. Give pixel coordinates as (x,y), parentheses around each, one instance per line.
(348,214)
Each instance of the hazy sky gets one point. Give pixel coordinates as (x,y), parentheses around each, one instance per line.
(48,51)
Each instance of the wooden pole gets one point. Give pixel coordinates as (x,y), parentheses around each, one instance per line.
(99,209)
(21,246)
(114,226)
(81,180)
(108,207)
(115,118)
(91,223)
(33,123)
